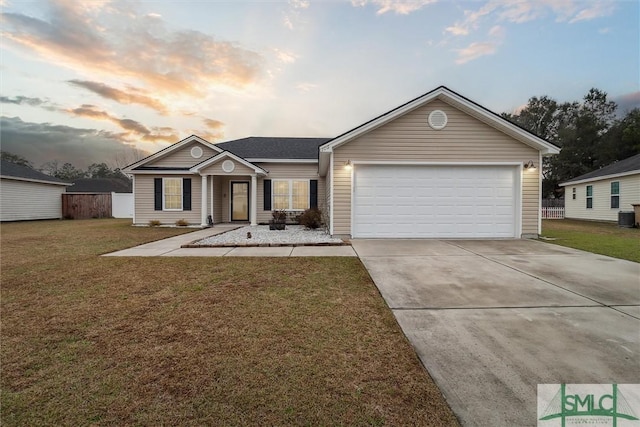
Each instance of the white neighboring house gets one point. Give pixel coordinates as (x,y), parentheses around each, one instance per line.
(601,194)
(27,194)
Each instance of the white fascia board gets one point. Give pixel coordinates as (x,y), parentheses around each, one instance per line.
(165,151)
(490,118)
(261,160)
(600,178)
(227,154)
(39,181)
(385,118)
(162,172)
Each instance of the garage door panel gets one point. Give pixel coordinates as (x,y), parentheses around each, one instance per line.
(434,201)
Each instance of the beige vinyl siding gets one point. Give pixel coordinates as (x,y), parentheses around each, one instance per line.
(216,168)
(288,171)
(24,200)
(410,139)
(182,158)
(601,211)
(144,201)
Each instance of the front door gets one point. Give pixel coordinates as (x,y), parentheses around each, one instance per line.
(239,201)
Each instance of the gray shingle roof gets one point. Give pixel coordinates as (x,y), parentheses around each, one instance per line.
(274,147)
(629,164)
(12,170)
(100,185)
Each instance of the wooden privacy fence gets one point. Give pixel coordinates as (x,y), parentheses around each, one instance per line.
(84,206)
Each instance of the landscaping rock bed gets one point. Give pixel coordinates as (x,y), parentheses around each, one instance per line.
(293,235)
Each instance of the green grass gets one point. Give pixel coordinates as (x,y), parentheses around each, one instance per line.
(90,340)
(597,237)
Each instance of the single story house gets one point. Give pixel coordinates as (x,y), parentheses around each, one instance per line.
(27,194)
(439,166)
(599,195)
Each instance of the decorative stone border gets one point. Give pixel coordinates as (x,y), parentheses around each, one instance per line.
(263,245)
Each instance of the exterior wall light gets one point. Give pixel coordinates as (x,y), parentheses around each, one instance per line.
(529,166)
(348,166)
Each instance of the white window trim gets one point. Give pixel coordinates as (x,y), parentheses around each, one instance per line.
(181,195)
(290,181)
(611,195)
(587,196)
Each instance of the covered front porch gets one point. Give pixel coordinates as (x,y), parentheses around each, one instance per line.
(229,189)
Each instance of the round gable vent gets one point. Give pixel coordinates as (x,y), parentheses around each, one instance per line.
(196,152)
(228,166)
(437,119)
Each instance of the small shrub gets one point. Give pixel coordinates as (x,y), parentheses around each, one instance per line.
(182,223)
(279,216)
(311,218)
(154,223)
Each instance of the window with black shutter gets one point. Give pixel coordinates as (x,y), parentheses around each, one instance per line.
(313,193)
(157,194)
(186,194)
(267,194)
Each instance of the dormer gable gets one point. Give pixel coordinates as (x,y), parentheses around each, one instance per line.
(181,155)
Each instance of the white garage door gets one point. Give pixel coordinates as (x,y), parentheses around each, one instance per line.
(434,201)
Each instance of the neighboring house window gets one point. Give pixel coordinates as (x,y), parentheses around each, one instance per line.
(172,194)
(573,195)
(615,195)
(589,196)
(290,194)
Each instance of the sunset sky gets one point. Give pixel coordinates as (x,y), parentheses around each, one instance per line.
(86,81)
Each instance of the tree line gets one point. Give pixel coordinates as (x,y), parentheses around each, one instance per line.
(67,171)
(589,132)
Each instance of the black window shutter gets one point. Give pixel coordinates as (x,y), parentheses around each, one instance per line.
(313,193)
(157,194)
(267,194)
(186,194)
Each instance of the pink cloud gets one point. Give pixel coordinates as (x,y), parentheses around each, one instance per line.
(137,47)
(475,51)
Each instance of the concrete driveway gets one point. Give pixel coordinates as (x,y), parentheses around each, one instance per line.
(490,320)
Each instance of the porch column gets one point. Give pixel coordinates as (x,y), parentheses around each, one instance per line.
(211,194)
(203,201)
(253,200)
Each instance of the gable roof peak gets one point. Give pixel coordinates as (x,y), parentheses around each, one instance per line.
(167,150)
(457,101)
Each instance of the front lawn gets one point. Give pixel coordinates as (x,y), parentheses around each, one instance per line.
(597,237)
(89,340)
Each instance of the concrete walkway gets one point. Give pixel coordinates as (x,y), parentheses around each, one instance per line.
(172,247)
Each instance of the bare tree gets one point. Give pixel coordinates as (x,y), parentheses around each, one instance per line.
(127,156)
